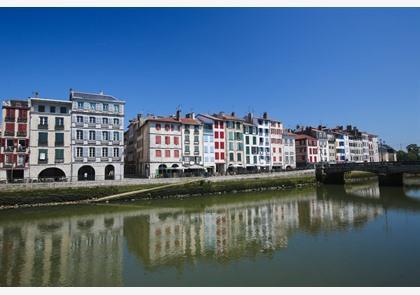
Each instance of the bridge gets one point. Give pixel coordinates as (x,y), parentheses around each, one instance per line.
(389,173)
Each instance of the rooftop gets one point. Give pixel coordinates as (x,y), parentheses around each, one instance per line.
(93,96)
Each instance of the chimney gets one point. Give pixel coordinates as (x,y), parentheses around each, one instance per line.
(101,92)
(190,115)
(250,117)
(233,114)
(265,115)
(349,127)
(178,114)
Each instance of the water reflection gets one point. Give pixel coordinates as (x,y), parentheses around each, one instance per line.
(365,190)
(88,249)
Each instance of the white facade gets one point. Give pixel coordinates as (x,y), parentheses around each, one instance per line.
(192,143)
(50,125)
(289,151)
(263,140)
(97,137)
(251,146)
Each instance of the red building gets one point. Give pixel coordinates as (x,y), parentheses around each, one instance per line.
(14,141)
(307,150)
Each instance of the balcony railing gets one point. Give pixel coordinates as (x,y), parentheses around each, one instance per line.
(59,160)
(59,143)
(42,161)
(21,149)
(22,119)
(9,119)
(9,133)
(21,133)
(42,143)
(42,126)
(9,149)
(59,127)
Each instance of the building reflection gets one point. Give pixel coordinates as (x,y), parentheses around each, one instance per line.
(364,190)
(87,250)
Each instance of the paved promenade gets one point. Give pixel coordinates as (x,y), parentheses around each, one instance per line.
(139,181)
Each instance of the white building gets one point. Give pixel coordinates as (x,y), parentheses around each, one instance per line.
(192,145)
(208,144)
(251,146)
(50,151)
(264,146)
(289,152)
(97,136)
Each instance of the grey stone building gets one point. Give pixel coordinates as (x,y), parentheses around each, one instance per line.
(97,136)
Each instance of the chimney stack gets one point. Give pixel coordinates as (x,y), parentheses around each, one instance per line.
(178,114)
(265,115)
(233,114)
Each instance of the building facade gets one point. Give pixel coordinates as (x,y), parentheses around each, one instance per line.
(251,146)
(306,150)
(289,151)
(14,141)
(50,139)
(276,142)
(192,144)
(208,144)
(97,136)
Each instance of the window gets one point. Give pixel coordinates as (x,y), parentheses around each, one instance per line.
(79,152)
(116,121)
(187,148)
(105,135)
(167,127)
(116,108)
(59,139)
(158,153)
(92,120)
(158,139)
(231,157)
(52,109)
(216,144)
(43,121)
(59,121)
(217,156)
(176,153)
(176,140)
(274,159)
(196,149)
(231,146)
(196,139)
(41,109)
(105,152)
(167,153)
(167,140)
(231,134)
(79,134)
(79,119)
(222,134)
(247,139)
(222,145)
(216,134)
(105,121)
(91,152)
(92,135)
(105,107)
(80,105)
(59,155)
(93,106)
(43,155)
(43,138)
(116,152)
(157,126)
(63,110)
(239,157)
(222,156)
(116,136)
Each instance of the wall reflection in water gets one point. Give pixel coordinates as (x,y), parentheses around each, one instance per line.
(366,190)
(87,249)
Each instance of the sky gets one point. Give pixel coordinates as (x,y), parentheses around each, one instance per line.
(305,66)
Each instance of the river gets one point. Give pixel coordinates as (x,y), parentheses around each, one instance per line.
(352,235)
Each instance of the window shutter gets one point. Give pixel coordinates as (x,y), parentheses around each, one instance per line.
(85,152)
(98,135)
(85,134)
(98,152)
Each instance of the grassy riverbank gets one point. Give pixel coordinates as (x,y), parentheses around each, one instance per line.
(359,176)
(57,196)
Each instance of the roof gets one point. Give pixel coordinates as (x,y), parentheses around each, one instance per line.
(189,121)
(50,100)
(162,119)
(228,117)
(289,134)
(304,136)
(210,117)
(93,96)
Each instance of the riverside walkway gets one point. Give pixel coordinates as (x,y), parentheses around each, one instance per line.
(146,181)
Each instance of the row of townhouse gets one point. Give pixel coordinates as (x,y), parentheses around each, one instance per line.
(52,139)
(216,144)
(335,145)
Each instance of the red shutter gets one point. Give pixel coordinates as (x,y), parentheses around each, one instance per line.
(1,158)
(22,127)
(3,141)
(10,127)
(176,140)
(27,142)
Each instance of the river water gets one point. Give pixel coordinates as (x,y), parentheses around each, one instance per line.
(352,235)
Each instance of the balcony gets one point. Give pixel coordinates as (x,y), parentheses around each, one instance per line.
(58,161)
(7,165)
(21,133)
(104,159)
(91,159)
(42,143)
(104,125)
(43,126)
(104,141)
(9,133)
(59,127)
(9,149)
(21,149)
(116,142)
(116,159)
(116,126)
(59,143)
(45,161)
(22,120)
(78,159)
(92,125)
(79,124)
(9,119)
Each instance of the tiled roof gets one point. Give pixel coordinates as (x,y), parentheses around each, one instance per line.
(162,119)
(304,136)
(93,96)
(189,121)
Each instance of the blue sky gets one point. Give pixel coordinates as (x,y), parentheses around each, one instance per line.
(303,66)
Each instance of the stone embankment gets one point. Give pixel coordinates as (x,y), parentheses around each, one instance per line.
(36,194)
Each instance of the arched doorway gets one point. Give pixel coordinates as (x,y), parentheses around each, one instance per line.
(52,174)
(86,173)
(109,172)
(162,170)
